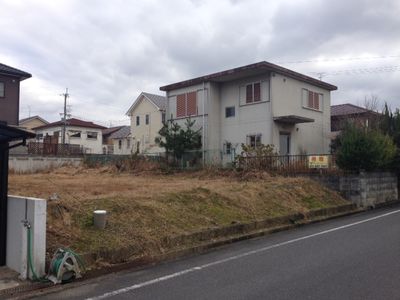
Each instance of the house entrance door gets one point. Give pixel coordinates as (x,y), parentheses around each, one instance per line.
(284,143)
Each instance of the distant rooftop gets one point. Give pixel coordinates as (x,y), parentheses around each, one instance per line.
(160,102)
(10,71)
(124,132)
(32,118)
(348,109)
(72,122)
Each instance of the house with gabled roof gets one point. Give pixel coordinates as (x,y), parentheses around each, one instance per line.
(347,112)
(122,141)
(147,114)
(77,132)
(260,103)
(32,122)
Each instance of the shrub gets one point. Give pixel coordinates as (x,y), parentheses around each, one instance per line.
(359,149)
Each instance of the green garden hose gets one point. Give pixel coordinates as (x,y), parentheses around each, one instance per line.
(30,260)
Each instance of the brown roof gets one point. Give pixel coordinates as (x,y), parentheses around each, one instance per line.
(109,131)
(348,109)
(72,122)
(249,70)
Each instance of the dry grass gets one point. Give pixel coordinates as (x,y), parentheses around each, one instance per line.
(145,209)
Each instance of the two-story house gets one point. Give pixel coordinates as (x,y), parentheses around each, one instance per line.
(261,103)
(77,132)
(147,115)
(10,79)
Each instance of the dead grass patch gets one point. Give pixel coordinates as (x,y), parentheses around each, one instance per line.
(146,209)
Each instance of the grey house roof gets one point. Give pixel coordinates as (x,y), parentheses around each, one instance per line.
(10,71)
(160,102)
(348,109)
(122,133)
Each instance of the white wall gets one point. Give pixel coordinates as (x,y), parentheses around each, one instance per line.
(287,99)
(31,164)
(91,145)
(250,119)
(126,147)
(32,210)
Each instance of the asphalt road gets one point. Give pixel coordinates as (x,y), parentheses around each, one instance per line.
(354,257)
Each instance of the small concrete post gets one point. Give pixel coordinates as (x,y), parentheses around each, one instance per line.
(100,219)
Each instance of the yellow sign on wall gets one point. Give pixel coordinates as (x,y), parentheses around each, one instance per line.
(318,162)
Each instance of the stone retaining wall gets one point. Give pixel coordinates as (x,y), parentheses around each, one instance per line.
(366,189)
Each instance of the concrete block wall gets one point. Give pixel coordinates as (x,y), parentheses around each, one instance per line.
(32,164)
(32,210)
(365,189)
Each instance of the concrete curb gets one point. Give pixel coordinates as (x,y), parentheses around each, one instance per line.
(206,240)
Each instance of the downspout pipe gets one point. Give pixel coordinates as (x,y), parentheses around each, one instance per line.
(203,129)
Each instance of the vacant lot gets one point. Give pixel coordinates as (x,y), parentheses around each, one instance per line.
(144,209)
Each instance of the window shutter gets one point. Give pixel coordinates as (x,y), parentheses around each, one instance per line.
(316,101)
(310,99)
(181,105)
(249,93)
(257,92)
(191,104)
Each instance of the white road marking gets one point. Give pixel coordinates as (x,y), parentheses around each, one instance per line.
(235,257)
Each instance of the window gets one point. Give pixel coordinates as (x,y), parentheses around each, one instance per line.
(312,99)
(128,143)
(228,148)
(39,136)
(254,140)
(163,117)
(2,93)
(119,144)
(229,112)
(91,135)
(75,134)
(137,120)
(186,104)
(253,92)
(147,119)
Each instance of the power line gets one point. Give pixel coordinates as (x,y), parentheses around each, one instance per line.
(339,59)
(361,71)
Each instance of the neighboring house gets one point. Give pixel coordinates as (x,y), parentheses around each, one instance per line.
(32,122)
(344,113)
(261,103)
(122,141)
(147,115)
(108,146)
(10,79)
(78,132)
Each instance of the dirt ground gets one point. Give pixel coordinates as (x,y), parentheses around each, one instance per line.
(144,209)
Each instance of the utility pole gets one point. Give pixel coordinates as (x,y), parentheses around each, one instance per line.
(66,95)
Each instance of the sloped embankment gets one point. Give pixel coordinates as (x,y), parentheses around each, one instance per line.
(146,211)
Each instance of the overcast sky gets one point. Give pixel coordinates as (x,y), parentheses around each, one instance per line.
(107,52)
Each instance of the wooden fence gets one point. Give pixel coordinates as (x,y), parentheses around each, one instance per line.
(290,163)
(36,148)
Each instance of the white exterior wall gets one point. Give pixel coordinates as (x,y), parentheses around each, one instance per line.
(249,119)
(91,145)
(145,134)
(287,99)
(126,147)
(203,94)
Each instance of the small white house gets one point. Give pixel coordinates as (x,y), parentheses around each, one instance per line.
(122,141)
(261,103)
(147,115)
(77,132)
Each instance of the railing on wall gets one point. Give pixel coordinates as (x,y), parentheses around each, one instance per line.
(310,163)
(37,148)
